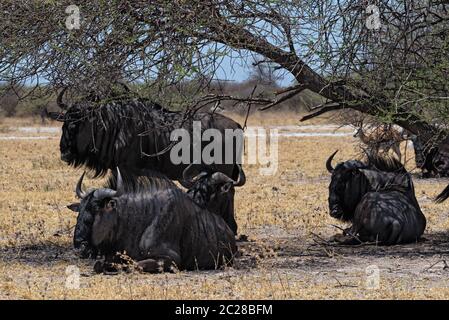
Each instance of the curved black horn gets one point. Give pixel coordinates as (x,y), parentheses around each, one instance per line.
(105,193)
(329,162)
(79,188)
(61,104)
(220,177)
(191,172)
(241,179)
(120,186)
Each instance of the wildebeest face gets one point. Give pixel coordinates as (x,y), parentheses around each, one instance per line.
(345,188)
(344,192)
(97,208)
(67,144)
(84,221)
(76,135)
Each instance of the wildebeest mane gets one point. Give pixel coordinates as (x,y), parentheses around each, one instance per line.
(142,181)
(386,163)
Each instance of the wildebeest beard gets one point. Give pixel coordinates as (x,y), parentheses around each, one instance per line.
(351,180)
(132,134)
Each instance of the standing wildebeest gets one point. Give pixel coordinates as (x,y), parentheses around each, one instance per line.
(134,134)
(158,227)
(379,200)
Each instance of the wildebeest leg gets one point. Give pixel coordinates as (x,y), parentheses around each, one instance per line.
(156,265)
(161,240)
(107,266)
(394,230)
(230,217)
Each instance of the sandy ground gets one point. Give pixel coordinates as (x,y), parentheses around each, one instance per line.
(284,216)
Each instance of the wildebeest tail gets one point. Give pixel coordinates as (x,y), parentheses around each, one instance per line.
(443,195)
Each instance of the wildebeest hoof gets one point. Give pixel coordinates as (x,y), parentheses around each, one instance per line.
(242,238)
(99,267)
(86,251)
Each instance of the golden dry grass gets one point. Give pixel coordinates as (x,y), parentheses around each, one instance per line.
(282,216)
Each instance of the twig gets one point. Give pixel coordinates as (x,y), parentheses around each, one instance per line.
(433,265)
(344,285)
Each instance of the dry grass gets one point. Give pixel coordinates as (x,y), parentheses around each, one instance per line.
(280,214)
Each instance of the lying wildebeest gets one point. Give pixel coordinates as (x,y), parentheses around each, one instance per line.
(379,200)
(153,180)
(134,134)
(214,191)
(158,227)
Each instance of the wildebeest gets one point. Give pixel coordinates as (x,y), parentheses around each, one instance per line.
(214,191)
(153,180)
(378,198)
(431,157)
(157,227)
(134,134)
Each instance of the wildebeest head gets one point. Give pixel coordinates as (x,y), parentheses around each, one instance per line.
(94,130)
(344,189)
(96,207)
(75,131)
(212,190)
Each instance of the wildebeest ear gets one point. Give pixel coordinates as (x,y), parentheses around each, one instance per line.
(111,204)
(226,187)
(74,207)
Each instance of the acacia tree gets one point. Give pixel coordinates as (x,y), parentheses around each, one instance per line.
(387,60)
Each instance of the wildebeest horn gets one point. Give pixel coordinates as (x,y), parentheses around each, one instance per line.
(120,188)
(241,179)
(219,177)
(191,173)
(61,104)
(109,193)
(329,162)
(79,192)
